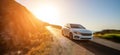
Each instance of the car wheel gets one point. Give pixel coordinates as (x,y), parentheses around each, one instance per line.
(71,35)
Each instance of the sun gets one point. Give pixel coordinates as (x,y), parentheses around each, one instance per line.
(47,13)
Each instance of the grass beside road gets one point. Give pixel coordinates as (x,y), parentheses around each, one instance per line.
(109,34)
(44,47)
(111,37)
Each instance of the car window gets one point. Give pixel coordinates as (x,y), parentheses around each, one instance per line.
(77,26)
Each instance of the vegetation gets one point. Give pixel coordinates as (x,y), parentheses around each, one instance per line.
(20,31)
(113,35)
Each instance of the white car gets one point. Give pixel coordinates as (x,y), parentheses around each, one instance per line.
(77,32)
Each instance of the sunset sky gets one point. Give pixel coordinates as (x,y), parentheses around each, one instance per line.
(93,14)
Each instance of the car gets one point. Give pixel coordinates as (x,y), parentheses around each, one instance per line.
(76,32)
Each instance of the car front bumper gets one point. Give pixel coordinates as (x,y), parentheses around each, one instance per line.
(80,37)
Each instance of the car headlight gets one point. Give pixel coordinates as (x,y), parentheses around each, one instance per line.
(77,32)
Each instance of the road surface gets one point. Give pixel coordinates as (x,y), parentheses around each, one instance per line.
(65,46)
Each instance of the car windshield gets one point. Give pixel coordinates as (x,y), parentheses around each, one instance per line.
(77,26)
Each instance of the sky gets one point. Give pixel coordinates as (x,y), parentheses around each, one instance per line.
(93,14)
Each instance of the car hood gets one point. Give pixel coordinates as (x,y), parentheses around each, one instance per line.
(81,30)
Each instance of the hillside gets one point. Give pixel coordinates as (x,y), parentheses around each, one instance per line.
(19,28)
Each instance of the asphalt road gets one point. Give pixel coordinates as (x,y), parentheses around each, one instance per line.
(98,49)
(75,47)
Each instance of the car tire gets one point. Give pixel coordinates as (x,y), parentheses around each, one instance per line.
(71,36)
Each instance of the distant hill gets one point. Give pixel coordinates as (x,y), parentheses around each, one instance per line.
(17,25)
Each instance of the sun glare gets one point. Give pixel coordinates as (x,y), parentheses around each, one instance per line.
(47,13)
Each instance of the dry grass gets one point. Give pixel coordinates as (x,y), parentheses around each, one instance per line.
(20,30)
(37,43)
(44,47)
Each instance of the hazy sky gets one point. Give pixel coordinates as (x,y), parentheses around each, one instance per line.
(93,14)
